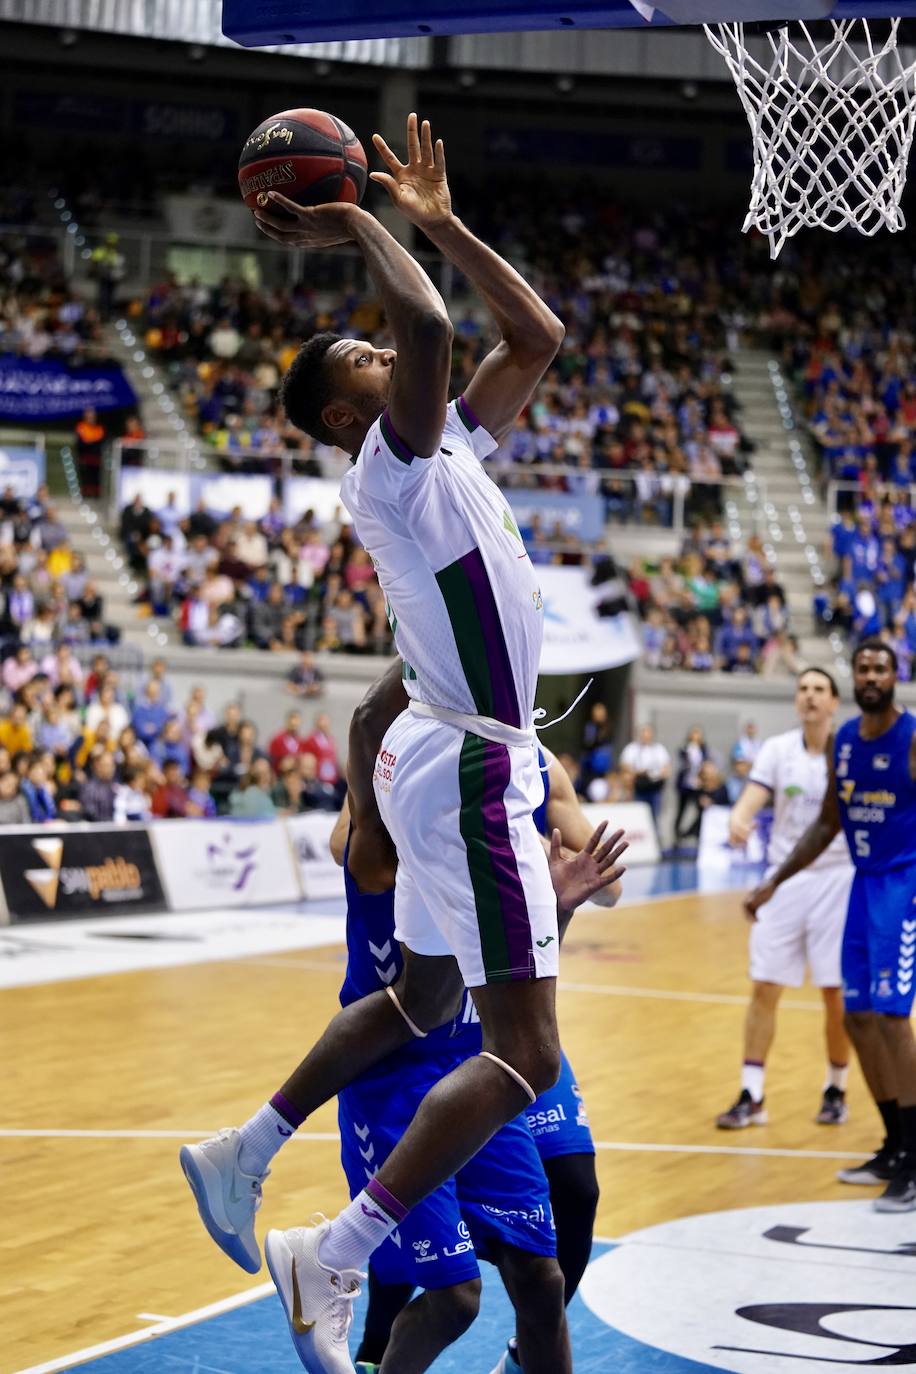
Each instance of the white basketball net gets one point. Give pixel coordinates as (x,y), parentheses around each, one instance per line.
(832,122)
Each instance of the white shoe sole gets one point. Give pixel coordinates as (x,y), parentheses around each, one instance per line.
(882,1204)
(280,1267)
(761,1119)
(205,1182)
(864,1181)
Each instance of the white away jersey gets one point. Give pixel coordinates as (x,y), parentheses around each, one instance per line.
(464,603)
(798,781)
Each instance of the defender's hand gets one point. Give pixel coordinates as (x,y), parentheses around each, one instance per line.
(739,832)
(758,898)
(319,226)
(417,187)
(578,877)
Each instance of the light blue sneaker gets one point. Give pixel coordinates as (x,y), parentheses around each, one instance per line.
(227,1199)
(508,1363)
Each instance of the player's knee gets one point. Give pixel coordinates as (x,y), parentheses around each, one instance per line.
(538,1065)
(537,1287)
(766,994)
(574,1190)
(430,1001)
(455,1309)
(858,1022)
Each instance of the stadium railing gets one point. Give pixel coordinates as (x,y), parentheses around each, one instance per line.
(624,497)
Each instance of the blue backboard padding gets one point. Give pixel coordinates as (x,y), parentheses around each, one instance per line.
(255,23)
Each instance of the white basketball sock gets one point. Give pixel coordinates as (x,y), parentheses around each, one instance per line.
(752,1076)
(837,1075)
(262,1136)
(360,1228)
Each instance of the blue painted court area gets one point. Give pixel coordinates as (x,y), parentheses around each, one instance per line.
(255,1337)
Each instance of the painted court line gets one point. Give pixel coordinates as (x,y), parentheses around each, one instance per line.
(728,999)
(306,1137)
(148,1333)
(52,1133)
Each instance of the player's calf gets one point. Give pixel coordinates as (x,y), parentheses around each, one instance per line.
(431,1323)
(536,1288)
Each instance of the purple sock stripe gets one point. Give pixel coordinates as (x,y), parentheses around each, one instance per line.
(394,440)
(505,701)
(468,418)
(754,1064)
(516,921)
(289,1113)
(387,1201)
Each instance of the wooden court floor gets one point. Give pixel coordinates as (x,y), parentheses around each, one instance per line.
(99,1230)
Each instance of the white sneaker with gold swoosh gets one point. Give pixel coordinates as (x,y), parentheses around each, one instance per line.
(318,1301)
(227,1199)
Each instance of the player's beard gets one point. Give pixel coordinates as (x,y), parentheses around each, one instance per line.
(876,702)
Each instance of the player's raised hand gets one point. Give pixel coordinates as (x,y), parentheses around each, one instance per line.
(758,898)
(577,877)
(299,226)
(417,187)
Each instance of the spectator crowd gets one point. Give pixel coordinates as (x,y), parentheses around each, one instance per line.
(266,583)
(76,744)
(645,772)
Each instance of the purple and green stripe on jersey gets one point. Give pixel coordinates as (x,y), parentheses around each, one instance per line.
(466,415)
(394,440)
(479,638)
(484,773)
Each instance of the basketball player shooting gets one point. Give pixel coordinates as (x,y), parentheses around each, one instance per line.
(457,777)
(871,793)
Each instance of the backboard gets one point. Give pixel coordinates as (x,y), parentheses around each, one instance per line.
(254,23)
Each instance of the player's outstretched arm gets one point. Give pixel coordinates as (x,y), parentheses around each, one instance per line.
(741,819)
(812,844)
(415,311)
(373,860)
(531,333)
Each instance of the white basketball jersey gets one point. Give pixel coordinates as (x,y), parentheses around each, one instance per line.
(798,781)
(463,599)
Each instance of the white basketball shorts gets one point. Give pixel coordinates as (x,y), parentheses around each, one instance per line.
(473,878)
(803,926)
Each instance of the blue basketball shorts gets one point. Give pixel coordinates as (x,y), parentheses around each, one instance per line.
(879,943)
(501,1195)
(558,1119)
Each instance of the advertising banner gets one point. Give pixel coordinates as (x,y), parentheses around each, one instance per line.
(78,870)
(206,218)
(320,494)
(310,836)
(715,850)
(576,638)
(23,469)
(155,487)
(47,389)
(250,492)
(582,515)
(224,863)
(635,819)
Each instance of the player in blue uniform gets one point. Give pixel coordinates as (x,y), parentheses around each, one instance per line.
(499,1205)
(871,793)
